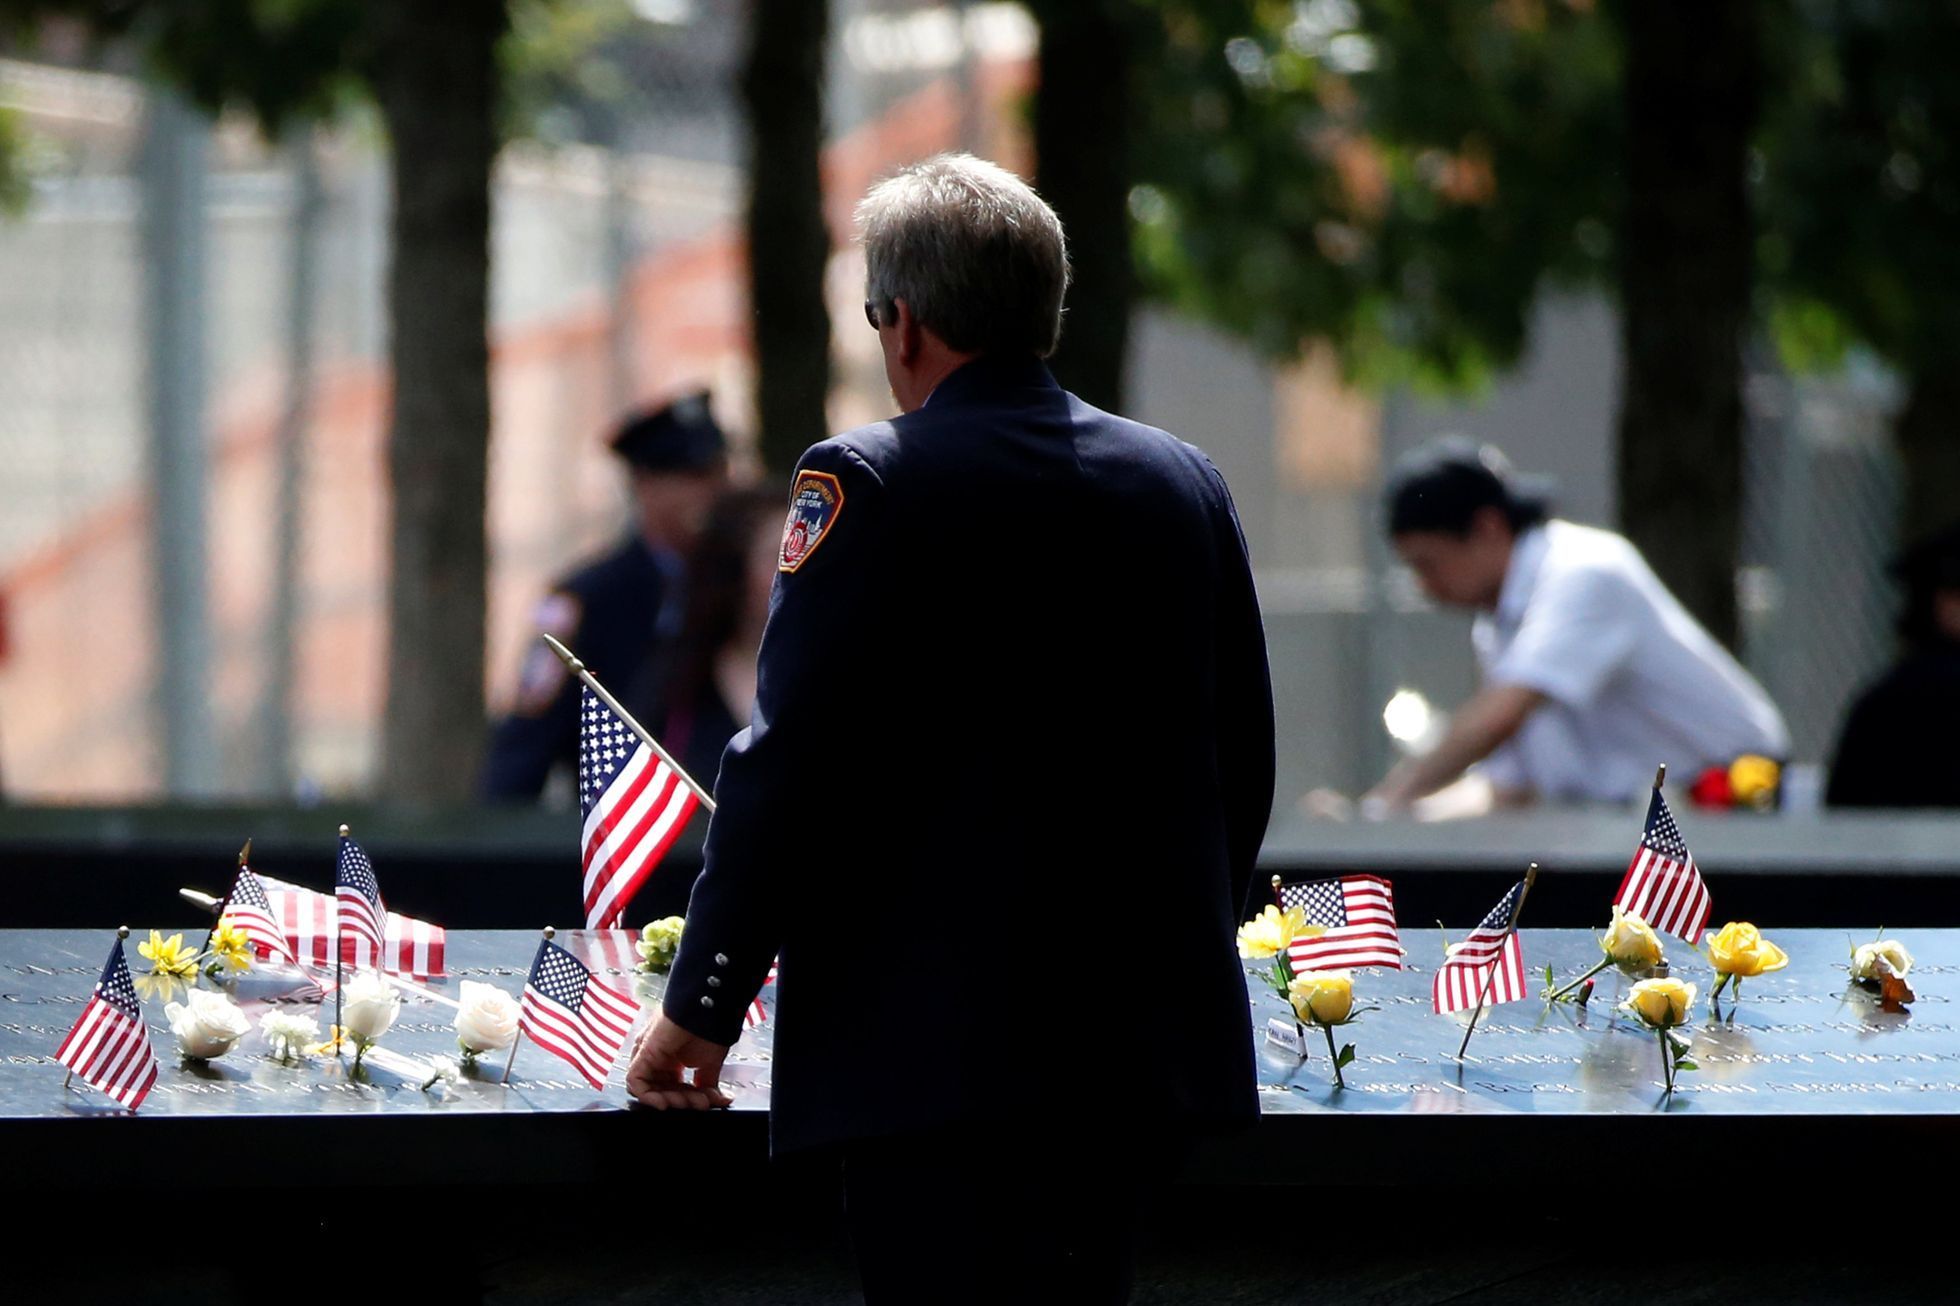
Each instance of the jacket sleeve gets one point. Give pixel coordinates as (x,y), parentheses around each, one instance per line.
(1247,759)
(773,771)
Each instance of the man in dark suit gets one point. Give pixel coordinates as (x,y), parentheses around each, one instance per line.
(619,613)
(998,808)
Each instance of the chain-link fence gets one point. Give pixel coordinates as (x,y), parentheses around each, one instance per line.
(618,278)
(186,305)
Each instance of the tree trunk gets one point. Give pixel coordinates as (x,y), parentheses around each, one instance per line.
(1928,433)
(1691,93)
(1082,167)
(789,243)
(274,716)
(437,84)
(175,231)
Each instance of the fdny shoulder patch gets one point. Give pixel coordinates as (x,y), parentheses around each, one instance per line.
(544,674)
(814,506)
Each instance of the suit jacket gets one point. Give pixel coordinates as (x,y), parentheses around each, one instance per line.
(1009,769)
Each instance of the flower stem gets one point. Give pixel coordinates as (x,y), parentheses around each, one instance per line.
(1333,1056)
(1667,1062)
(1604,963)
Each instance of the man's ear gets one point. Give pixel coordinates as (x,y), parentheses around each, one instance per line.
(1489,523)
(908,328)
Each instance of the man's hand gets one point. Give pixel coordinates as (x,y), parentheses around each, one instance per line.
(661,1056)
(1492,715)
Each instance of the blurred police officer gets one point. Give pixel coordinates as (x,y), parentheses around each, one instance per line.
(1897,746)
(1593,672)
(1013,713)
(620,612)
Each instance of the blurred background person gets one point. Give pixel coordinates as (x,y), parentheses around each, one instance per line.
(621,613)
(1592,671)
(1897,748)
(706,684)
(705,696)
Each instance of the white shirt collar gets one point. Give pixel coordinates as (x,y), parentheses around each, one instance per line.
(1521,575)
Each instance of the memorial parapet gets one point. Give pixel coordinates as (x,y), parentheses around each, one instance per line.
(506,869)
(1804,1061)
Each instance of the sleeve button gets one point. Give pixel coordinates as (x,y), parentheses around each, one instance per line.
(714,981)
(721,959)
(707,1001)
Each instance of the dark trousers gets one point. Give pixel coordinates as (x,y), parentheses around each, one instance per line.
(998,1212)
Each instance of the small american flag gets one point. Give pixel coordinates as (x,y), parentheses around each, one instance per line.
(250,912)
(359,896)
(634,805)
(758,1015)
(1358,914)
(109,1046)
(1487,967)
(571,1015)
(1662,885)
(306,920)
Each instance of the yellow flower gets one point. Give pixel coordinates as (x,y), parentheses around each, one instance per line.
(1629,942)
(1662,1003)
(1268,933)
(660,942)
(329,1046)
(1740,949)
(1870,961)
(230,946)
(1324,997)
(169,956)
(1753,780)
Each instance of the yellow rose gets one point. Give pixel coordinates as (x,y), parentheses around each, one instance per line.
(1629,942)
(1753,780)
(660,942)
(1866,957)
(1740,949)
(1662,1003)
(1324,997)
(1268,933)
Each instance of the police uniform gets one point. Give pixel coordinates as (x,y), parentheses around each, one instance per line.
(1896,749)
(1010,766)
(619,613)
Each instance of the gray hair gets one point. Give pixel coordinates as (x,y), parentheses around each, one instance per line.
(976,255)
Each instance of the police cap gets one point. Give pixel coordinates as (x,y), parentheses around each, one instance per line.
(677,437)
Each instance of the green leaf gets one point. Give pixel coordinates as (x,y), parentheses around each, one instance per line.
(1346,1058)
(1685,1064)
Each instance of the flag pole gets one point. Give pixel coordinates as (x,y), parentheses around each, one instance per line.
(217,919)
(1660,776)
(511,1060)
(339,984)
(1277,900)
(1530,877)
(592,683)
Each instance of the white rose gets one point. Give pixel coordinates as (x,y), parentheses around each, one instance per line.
(206,1024)
(286,1035)
(445,1073)
(486,1018)
(368,1008)
(1865,960)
